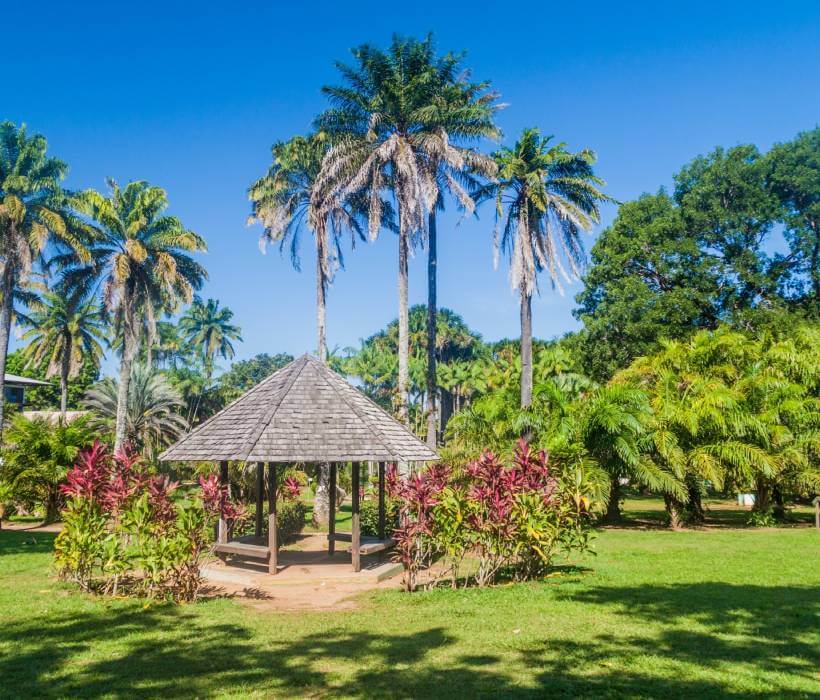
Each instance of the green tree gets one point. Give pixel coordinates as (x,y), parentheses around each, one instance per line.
(387,131)
(142,259)
(66,331)
(290,197)
(37,456)
(545,196)
(152,418)
(47,398)
(209,330)
(32,214)
(792,172)
(648,279)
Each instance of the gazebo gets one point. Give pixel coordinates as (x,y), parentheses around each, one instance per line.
(304,412)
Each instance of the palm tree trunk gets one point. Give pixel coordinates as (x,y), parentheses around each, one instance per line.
(404,336)
(129,351)
(432,262)
(321,501)
(321,298)
(613,506)
(65,366)
(526,349)
(6,311)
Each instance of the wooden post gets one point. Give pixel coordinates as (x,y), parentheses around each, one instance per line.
(260,488)
(273,540)
(355,534)
(331,511)
(817,512)
(381,501)
(222,530)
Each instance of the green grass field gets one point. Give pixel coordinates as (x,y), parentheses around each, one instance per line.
(704,613)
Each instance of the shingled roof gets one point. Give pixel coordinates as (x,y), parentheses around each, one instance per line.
(305,412)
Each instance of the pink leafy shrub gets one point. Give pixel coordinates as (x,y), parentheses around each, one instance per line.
(128,530)
(512,516)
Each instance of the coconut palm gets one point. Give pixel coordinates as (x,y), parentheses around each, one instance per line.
(288,199)
(67,330)
(32,214)
(208,328)
(380,122)
(152,417)
(545,196)
(142,260)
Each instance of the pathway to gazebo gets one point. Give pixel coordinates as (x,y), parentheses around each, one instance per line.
(303,413)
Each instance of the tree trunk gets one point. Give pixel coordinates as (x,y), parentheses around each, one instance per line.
(65,367)
(696,515)
(778,507)
(432,271)
(6,311)
(321,297)
(613,507)
(526,349)
(447,404)
(52,506)
(762,496)
(129,351)
(321,501)
(674,512)
(404,338)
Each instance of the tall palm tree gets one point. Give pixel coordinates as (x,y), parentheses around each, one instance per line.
(32,213)
(67,329)
(461,112)
(380,122)
(545,196)
(208,328)
(288,198)
(142,260)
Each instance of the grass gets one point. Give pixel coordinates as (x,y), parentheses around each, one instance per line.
(703,613)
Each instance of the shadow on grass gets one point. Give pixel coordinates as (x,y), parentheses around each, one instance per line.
(771,628)
(182,652)
(23,542)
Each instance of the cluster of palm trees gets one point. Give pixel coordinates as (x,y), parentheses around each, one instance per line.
(401,138)
(85,269)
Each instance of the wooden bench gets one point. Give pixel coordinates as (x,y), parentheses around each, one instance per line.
(252,551)
(368,545)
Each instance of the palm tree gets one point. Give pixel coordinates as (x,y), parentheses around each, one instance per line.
(142,260)
(288,198)
(208,328)
(32,213)
(381,124)
(461,112)
(152,417)
(67,329)
(545,196)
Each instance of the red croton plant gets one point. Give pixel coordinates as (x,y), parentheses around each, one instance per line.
(497,516)
(129,531)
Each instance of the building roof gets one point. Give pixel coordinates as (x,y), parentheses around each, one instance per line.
(305,412)
(16,380)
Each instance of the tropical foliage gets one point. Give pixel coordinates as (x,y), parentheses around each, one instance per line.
(128,531)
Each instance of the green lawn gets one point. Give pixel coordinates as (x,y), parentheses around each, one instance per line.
(656,613)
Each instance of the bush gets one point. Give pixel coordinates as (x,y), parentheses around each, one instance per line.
(36,457)
(369,517)
(514,518)
(290,520)
(126,531)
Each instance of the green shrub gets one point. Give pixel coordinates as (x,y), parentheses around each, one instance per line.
(297,474)
(369,517)
(290,520)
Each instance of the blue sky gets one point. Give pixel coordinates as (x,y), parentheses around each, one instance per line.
(192,100)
